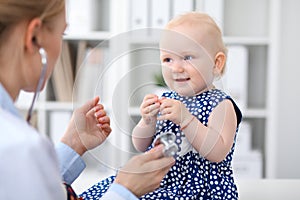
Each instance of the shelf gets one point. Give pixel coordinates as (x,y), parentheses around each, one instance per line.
(95,35)
(57,106)
(52,105)
(248,113)
(229,40)
(246,40)
(255,113)
(245,23)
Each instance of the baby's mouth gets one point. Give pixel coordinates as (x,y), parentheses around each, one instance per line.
(182,79)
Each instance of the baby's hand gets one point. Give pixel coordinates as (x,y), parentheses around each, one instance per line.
(150,108)
(174,111)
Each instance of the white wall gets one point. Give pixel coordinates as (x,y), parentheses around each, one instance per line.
(289,92)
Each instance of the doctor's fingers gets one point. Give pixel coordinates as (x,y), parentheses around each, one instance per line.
(98,107)
(89,105)
(159,166)
(105,129)
(100,113)
(103,120)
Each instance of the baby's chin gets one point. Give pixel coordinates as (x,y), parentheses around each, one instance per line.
(185,92)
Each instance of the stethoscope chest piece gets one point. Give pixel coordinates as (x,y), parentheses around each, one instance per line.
(168,140)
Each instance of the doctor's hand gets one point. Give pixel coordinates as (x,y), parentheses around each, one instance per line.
(143,173)
(88,128)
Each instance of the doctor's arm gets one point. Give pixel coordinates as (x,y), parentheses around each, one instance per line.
(88,128)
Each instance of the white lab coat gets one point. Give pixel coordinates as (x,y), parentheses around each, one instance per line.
(28,167)
(28,161)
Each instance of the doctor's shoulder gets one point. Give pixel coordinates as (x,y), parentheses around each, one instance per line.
(19,140)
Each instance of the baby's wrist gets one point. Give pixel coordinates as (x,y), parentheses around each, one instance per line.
(185,123)
(149,120)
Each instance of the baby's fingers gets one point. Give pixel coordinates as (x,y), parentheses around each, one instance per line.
(150,96)
(151,109)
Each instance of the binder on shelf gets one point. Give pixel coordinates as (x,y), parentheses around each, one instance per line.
(67,68)
(244,139)
(63,76)
(81,16)
(235,78)
(89,74)
(248,166)
(160,13)
(139,14)
(247,163)
(57,82)
(215,8)
(181,7)
(81,54)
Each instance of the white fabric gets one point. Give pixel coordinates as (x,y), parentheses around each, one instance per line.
(28,168)
(28,162)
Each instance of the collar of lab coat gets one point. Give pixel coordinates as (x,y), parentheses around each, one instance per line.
(6,102)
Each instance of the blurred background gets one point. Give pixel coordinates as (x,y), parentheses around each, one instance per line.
(111,49)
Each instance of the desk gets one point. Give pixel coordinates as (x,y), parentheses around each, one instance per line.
(265,189)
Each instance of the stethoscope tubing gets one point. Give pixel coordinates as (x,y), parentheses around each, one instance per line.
(40,83)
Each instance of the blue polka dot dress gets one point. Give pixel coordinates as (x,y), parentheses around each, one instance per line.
(192,176)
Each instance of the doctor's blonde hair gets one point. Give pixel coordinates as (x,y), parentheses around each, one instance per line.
(15,11)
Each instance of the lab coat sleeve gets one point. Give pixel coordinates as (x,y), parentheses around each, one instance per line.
(70,163)
(118,192)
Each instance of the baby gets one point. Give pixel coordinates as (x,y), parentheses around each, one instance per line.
(203,119)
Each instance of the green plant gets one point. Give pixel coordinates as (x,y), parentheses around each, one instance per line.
(159,80)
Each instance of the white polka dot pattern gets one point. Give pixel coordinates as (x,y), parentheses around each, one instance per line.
(192,176)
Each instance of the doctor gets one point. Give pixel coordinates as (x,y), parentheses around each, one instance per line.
(30,43)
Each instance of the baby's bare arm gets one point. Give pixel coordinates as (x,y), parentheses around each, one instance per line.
(143,132)
(215,140)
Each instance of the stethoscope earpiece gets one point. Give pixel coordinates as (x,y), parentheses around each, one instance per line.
(43,56)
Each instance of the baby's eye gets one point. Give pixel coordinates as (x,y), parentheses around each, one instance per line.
(187,57)
(167,60)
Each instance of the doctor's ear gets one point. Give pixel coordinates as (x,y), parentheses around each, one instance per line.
(220,60)
(33,35)
(34,40)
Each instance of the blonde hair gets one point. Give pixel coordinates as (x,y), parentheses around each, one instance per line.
(15,11)
(204,22)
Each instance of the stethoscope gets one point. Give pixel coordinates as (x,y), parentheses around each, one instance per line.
(168,140)
(40,83)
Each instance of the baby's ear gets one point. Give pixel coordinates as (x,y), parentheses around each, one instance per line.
(220,60)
